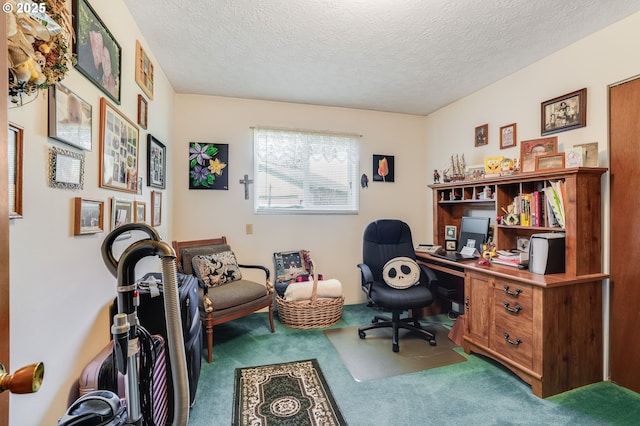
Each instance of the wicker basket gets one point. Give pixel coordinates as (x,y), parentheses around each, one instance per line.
(313,313)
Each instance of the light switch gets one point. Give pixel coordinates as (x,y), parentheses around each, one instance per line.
(249,228)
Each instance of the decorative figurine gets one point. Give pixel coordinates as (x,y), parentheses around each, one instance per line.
(364,181)
(436,176)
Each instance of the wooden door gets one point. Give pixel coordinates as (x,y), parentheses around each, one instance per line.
(4,226)
(624,152)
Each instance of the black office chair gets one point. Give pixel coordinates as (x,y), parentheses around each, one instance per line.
(388,240)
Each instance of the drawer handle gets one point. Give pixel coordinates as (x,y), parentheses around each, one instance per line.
(515,310)
(514,294)
(511,342)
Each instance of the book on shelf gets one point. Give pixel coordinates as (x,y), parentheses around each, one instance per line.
(554,194)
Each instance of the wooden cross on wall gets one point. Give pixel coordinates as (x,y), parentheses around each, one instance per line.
(246,181)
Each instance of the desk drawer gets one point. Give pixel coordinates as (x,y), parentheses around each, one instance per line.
(513,322)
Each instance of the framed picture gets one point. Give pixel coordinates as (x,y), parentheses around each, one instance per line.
(143,111)
(550,161)
(66,169)
(98,54)
(144,71)
(156,163)
(88,216)
(15,144)
(508,136)
(207,166)
(121,212)
(481,134)
(563,113)
(450,245)
(575,157)
(140,209)
(119,149)
(69,117)
(450,232)
(591,153)
(156,208)
(534,147)
(383,168)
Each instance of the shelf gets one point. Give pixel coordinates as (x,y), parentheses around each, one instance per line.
(533,228)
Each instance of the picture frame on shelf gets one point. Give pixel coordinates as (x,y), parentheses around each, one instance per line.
(143,112)
(99,55)
(156,208)
(121,212)
(156,163)
(508,136)
(66,169)
(88,216)
(144,71)
(450,245)
(481,135)
(14,162)
(591,153)
(529,149)
(119,148)
(140,208)
(550,161)
(575,157)
(566,112)
(70,118)
(450,232)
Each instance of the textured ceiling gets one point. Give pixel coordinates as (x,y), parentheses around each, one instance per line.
(406,56)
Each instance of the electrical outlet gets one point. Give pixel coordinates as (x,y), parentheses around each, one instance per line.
(249,228)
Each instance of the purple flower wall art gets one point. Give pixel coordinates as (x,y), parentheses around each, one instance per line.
(208,165)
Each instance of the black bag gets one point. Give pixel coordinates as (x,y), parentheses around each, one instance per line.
(152,317)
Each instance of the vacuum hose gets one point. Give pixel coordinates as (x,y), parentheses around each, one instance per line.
(124,270)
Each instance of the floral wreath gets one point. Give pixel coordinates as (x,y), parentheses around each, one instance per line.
(38,43)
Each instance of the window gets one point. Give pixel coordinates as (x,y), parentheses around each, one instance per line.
(305,172)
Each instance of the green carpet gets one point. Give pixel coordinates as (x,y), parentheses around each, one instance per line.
(478,391)
(291,393)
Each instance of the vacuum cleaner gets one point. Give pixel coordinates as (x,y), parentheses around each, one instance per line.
(104,407)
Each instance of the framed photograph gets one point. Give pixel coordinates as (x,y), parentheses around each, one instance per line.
(450,245)
(88,216)
(140,208)
(156,163)
(15,144)
(563,113)
(208,164)
(144,71)
(534,147)
(143,111)
(121,212)
(450,232)
(550,161)
(98,54)
(66,169)
(156,208)
(384,168)
(508,136)
(481,134)
(69,117)
(591,153)
(119,147)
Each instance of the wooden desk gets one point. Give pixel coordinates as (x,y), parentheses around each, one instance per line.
(547,329)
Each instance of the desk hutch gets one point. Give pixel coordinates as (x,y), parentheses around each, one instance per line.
(547,329)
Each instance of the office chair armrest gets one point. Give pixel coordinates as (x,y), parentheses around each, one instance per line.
(367,276)
(431,276)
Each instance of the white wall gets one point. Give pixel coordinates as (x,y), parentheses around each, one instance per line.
(335,241)
(60,287)
(596,62)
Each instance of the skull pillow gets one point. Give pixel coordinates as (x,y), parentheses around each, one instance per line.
(401,272)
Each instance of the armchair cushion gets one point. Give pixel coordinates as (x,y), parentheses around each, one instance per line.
(187,254)
(217,268)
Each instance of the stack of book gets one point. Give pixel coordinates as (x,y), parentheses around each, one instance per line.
(511,258)
(542,208)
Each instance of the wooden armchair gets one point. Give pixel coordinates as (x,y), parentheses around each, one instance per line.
(222,301)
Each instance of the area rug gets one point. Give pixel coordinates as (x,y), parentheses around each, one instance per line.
(373,358)
(293,393)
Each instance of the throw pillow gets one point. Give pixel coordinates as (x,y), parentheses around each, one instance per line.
(401,272)
(217,268)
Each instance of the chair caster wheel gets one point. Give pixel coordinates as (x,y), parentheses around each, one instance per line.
(361,334)
(396,347)
(374,321)
(432,342)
